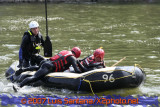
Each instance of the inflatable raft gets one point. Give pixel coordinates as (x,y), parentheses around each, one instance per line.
(94,80)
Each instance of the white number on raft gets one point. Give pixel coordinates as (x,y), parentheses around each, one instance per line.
(109,78)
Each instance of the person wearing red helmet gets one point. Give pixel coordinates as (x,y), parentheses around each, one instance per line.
(99,55)
(58,63)
(94,61)
(76,51)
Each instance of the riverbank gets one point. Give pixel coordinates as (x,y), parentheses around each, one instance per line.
(28,1)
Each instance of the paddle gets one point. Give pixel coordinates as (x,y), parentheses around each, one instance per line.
(118,62)
(47,42)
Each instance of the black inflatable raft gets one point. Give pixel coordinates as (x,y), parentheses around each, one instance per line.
(95,80)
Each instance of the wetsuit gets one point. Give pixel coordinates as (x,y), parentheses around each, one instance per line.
(60,63)
(90,63)
(29,47)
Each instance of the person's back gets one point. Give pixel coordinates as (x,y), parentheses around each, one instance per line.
(62,60)
(65,59)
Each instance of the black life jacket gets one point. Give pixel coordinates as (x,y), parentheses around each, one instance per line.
(35,45)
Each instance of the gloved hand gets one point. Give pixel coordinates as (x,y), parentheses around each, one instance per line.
(18,72)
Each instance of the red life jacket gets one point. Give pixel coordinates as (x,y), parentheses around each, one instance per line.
(60,61)
(90,61)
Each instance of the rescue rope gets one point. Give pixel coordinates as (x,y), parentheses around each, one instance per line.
(89,82)
(137,65)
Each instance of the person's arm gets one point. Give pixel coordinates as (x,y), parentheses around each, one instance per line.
(25,42)
(84,58)
(97,65)
(82,68)
(73,62)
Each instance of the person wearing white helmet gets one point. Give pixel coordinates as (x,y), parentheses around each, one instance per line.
(34,26)
(32,41)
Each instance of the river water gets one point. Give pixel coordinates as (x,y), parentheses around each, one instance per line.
(123,30)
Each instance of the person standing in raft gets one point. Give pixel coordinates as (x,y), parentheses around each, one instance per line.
(32,41)
(57,63)
(94,61)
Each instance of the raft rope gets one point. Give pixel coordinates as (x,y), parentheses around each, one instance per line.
(89,82)
(137,65)
(90,85)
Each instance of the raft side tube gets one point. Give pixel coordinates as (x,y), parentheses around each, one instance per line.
(96,80)
(122,77)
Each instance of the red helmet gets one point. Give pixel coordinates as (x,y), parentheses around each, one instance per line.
(77,51)
(99,53)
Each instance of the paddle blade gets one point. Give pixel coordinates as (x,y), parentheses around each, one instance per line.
(47,47)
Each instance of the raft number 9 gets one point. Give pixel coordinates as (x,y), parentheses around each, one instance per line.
(109,78)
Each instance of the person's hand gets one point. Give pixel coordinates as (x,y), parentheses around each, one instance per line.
(18,72)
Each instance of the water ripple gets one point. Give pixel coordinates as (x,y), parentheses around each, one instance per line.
(152,57)
(10,46)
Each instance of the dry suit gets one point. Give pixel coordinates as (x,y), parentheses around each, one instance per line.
(30,48)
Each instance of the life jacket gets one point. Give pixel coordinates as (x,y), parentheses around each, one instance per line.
(60,61)
(35,41)
(89,62)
